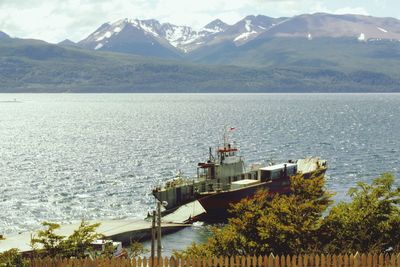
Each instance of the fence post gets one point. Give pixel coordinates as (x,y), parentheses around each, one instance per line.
(182,262)
(271,260)
(381,260)
(209,262)
(294,261)
(288,261)
(305,262)
(328,260)
(299,261)
(282,261)
(276,261)
(393,260)
(323,260)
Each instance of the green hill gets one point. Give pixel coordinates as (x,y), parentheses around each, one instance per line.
(272,66)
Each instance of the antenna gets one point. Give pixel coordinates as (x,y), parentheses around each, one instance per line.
(225,137)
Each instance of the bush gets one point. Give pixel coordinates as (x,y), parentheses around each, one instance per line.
(295,224)
(49,244)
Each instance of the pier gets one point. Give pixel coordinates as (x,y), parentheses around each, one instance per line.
(125,230)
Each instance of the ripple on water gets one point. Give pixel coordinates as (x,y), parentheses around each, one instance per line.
(68,157)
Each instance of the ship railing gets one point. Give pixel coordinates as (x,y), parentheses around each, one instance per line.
(222,187)
(176,182)
(213,187)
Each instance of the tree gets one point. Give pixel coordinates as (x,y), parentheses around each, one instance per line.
(369,223)
(12,258)
(294,224)
(136,249)
(53,245)
(264,224)
(49,240)
(79,243)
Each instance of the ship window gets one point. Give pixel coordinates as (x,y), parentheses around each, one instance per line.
(266,176)
(210,187)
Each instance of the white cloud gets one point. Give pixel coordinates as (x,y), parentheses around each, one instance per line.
(351,10)
(320,7)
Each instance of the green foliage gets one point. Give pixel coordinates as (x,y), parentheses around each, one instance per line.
(136,249)
(50,244)
(12,258)
(294,224)
(370,223)
(108,251)
(285,224)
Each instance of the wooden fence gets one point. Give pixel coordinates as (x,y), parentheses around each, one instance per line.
(357,260)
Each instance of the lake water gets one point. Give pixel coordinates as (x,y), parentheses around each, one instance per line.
(65,157)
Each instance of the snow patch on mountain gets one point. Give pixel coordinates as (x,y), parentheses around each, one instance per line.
(216,29)
(248,25)
(98,46)
(244,36)
(106,35)
(382,30)
(179,35)
(147,28)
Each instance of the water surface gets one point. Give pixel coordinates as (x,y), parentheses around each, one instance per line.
(65,157)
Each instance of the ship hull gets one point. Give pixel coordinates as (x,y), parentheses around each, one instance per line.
(217,204)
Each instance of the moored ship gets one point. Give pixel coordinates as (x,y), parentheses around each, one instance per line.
(223,180)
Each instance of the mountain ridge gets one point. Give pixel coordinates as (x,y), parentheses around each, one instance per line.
(298,54)
(185,40)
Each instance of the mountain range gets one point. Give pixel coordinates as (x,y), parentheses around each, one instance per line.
(150,37)
(311,52)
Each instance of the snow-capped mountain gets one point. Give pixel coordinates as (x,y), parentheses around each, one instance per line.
(143,37)
(249,28)
(182,38)
(170,36)
(152,38)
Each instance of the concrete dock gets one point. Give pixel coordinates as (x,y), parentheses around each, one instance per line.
(125,231)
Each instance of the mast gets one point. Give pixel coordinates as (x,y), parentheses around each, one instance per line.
(225,136)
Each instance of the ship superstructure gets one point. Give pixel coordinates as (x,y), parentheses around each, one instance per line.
(223,179)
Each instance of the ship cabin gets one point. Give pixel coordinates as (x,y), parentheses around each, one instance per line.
(277,171)
(220,171)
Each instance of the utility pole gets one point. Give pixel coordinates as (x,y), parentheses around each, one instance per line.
(159,232)
(153,237)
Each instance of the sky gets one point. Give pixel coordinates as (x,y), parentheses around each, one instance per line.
(56,20)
